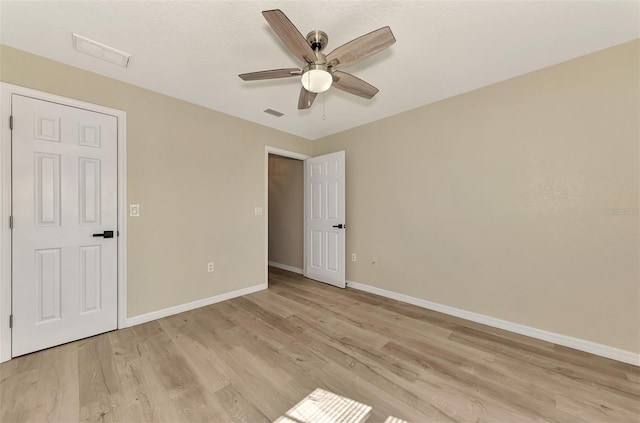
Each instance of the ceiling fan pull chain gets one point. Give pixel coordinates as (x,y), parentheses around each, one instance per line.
(324,102)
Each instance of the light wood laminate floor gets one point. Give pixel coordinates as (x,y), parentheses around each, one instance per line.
(252,358)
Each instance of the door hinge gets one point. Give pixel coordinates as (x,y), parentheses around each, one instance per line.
(10,222)
(11,321)
(11,122)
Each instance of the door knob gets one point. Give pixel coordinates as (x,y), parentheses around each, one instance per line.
(340,226)
(105,234)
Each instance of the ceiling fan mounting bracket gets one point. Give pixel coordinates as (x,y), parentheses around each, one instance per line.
(317,40)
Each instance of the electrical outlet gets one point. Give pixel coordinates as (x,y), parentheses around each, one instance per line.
(257,211)
(374,262)
(353,256)
(210,267)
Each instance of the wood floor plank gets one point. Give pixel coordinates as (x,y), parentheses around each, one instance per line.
(608,379)
(99,383)
(238,408)
(18,385)
(252,358)
(198,357)
(57,394)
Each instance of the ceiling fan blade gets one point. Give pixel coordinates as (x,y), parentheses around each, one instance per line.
(306,99)
(270,74)
(289,35)
(349,83)
(361,48)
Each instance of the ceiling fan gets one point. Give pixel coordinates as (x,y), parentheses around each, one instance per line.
(320,72)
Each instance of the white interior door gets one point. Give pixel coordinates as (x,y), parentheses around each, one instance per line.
(325,218)
(64,193)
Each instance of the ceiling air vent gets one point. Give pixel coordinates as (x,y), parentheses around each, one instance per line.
(274,113)
(101,51)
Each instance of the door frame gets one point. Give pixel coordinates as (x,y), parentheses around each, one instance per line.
(292,155)
(6,91)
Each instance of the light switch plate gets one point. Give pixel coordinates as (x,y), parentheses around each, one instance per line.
(134,210)
(258,211)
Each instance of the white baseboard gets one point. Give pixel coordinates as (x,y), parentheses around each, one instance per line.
(154,315)
(556,338)
(286,267)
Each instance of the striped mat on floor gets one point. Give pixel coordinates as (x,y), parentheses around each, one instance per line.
(322,406)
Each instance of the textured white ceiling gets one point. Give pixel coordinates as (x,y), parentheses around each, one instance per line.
(195,50)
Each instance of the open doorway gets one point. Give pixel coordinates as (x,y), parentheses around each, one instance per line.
(286,213)
(284,207)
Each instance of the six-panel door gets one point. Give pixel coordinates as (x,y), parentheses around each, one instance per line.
(325,218)
(64,284)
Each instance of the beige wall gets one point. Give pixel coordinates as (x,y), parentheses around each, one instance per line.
(197,175)
(496,201)
(286,210)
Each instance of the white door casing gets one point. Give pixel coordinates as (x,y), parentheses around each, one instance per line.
(325,218)
(65,190)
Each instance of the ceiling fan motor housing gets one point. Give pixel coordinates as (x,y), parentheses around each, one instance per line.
(321,60)
(317,40)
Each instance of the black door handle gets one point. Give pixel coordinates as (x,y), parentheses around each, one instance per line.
(340,226)
(105,234)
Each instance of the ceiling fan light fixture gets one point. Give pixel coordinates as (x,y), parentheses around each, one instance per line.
(316,80)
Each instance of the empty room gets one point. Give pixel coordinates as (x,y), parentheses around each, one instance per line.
(330,211)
